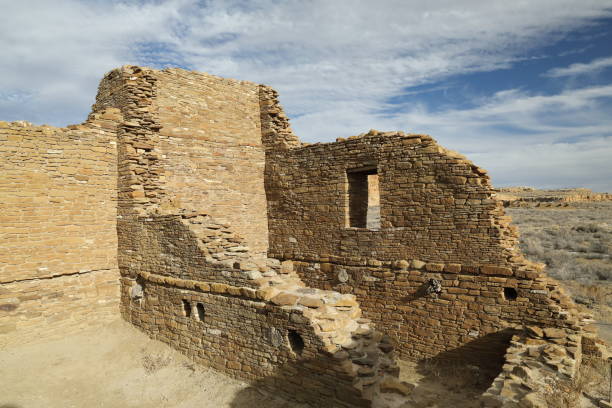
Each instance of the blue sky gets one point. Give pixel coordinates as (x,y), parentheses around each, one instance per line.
(523,88)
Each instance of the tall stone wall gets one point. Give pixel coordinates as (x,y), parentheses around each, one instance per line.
(441,274)
(434,206)
(189,142)
(214,159)
(261,325)
(58,242)
(192,242)
(195,189)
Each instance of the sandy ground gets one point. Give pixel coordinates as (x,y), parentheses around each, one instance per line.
(116,366)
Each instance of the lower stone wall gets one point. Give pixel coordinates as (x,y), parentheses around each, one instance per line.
(48,308)
(449,311)
(277,344)
(539,366)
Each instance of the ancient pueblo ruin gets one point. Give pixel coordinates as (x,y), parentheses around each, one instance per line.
(186,204)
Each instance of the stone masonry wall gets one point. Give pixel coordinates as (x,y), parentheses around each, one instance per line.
(186,247)
(189,142)
(461,321)
(58,257)
(247,325)
(214,159)
(434,205)
(195,189)
(193,238)
(443,275)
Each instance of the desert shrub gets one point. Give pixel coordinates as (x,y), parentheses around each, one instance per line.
(602,272)
(590,228)
(154,362)
(599,247)
(532,247)
(574,243)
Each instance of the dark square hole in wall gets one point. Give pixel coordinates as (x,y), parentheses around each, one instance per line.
(201,312)
(363,198)
(295,341)
(186,308)
(510,294)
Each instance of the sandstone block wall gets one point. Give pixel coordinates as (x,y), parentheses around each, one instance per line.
(197,191)
(441,274)
(189,142)
(461,322)
(58,257)
(192,242)
(186,247)
(539,365)
(214,158)
(434,206)
(306,344)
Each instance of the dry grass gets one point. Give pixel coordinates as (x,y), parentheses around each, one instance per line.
(589,387)
(575,243)
(152,363)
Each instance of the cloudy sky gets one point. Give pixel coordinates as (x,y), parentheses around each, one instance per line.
(522,87)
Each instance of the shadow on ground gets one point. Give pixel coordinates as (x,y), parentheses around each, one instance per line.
(455,378)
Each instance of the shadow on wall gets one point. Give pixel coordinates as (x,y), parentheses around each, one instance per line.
(297,383)
(467,369)
(9,405)
(477,362)
(430,287)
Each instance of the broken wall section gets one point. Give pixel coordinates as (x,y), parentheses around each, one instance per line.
(189,142)
(193,238)
(441,274)
(58,242)
(434,206)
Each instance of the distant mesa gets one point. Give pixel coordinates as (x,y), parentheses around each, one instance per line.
(533,197)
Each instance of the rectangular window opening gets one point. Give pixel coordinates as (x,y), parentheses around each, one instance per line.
(201,311)
(186,308)
(363,198)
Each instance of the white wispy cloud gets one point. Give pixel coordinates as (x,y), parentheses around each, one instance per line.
(335,64)
(550,141)
(580,69)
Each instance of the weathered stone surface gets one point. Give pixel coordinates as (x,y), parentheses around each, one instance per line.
(276,337)
(285,299)
(554,333)
(434,267)
(416,264)
(155,185)
(58,228)
(495,270)
(452,268)
(535,331)
(532,400)
(310,301)
(342,275)
(286,267)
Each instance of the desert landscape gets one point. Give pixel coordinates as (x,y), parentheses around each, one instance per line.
(380,270)
(306,204)
(572,235)
(570,231)
(116,365)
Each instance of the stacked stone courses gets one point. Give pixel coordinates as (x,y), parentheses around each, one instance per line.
(186,204)
(58,238)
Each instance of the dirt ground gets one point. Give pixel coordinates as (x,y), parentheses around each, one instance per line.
(118,366)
